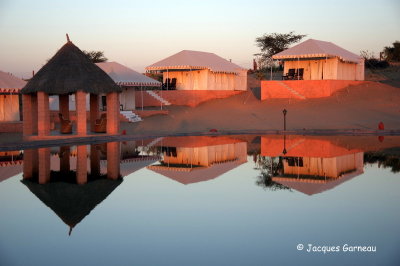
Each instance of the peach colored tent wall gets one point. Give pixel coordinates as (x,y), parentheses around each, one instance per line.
(329,167)
(206,156)
(206,80)
(127,99)
(325,69)
(9,107)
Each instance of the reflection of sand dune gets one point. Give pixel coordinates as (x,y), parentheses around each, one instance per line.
(195,159)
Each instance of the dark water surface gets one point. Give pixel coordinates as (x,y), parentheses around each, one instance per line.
(224,200)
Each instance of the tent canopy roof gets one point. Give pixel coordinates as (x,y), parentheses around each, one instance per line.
(315,48)
(123,75)
(187,59)
(311,187)
(9,83)
(69,71)
(199,174)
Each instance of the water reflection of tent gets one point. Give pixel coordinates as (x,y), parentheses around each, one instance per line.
(72,202)
(11,164)
(312,186)
(312,165)
(129,166)
(199,158)
(194,175)
(10,87)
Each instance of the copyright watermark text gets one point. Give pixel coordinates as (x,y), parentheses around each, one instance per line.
(310,248)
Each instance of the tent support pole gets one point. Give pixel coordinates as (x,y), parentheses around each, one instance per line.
(272,61)
(141,89)
(298,62)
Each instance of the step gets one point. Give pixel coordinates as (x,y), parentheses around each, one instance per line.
(158,97)
(154,142)
(292,90)
(131,116)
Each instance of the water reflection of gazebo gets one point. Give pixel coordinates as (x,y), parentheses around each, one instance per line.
(69,72)
(75,188)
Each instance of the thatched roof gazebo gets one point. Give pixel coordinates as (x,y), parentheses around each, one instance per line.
(68,72)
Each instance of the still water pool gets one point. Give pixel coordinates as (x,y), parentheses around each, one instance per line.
(221,200)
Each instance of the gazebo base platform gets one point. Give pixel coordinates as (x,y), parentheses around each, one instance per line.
(56,135)
(10,126)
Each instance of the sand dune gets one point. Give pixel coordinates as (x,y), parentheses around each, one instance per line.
(358,107)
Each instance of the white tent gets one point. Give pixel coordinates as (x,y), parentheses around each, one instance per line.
(124,77)
(9,102)
(322,60)
(194,70)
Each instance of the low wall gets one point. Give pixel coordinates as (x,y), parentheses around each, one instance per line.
(181,97)
(274,89)
(54,118)
(11,127)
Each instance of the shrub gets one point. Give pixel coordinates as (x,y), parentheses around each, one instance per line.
(375,63)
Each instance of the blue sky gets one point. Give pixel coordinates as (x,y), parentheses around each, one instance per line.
(139,33)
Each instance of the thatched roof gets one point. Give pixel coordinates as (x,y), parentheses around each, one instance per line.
(72,202)
(68,71)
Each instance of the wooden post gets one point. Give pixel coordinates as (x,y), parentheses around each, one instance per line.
(94,110)
(64,105)
(80,102)
(44,165)
(113,160)
(94,161)
(112,113)
(81,165)
(64,159)
(30,163)
(43,114)
(29,114)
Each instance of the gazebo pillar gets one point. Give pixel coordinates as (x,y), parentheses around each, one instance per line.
(94,110)
(94,160)
(30,163)
(44,165)
(112,113)
(43,119)
(80,102)
(64,105)
(113,159)
(30,121)
(64,159)
(81,165)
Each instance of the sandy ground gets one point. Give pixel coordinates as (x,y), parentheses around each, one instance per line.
(358,107)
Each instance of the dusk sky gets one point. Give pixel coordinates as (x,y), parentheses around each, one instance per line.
(139,33)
